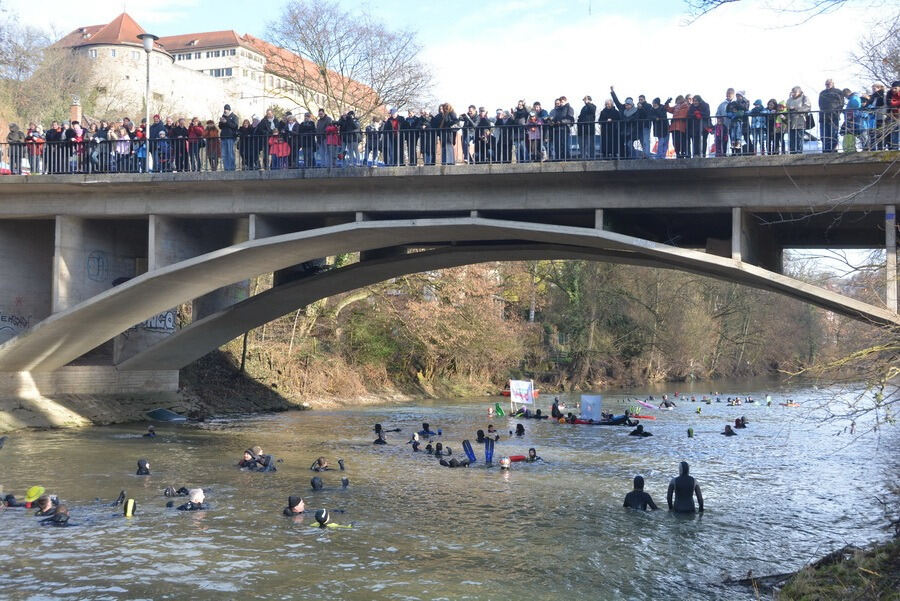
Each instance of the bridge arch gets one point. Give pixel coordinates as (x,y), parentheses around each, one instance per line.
(66,335)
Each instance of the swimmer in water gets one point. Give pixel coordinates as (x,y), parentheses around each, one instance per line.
(728,431)
(151,432)
(45,506)
(248,461)
(196,499)
(455,463)
(60,518)
(555,413)
(520,430)
(440,451)
(320,465)
(414,441)
(533,456)
(479,437)
(171,492)
(316,483)
(637,498)
(323,520)
(738,423)
(295,506)
(143,467)
(426,430)
(639,431)
(683,488)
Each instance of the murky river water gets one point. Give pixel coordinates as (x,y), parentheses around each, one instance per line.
(780,493)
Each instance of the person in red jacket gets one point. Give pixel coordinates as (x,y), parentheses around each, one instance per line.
(892,117)
(196,140)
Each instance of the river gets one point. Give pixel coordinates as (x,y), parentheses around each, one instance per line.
(779,494)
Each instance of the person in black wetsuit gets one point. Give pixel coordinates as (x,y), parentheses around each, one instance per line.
(426,430)
(45,506)
(265,463)
(59,518)
(532,456)
(637,498)
(520,430)
(379,435)
(249,460)
(320,465)
(143,467)
(479,437)
(537,415)
(151,432)
(295,506)
(555,413)
(738,423)
(639,431)
(455,463)
(728,431)
(195,502)
(10,501)
(440,451)
(171,492)
(683,488)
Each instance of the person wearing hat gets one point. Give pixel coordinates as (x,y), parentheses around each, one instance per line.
(632,117)
(485,145)
(586,128)
(323,520)
(228,129)
(637,499)
(737,112)
(295,506)
(32,495)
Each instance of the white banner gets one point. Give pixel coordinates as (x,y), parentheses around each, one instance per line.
(591,406)
(521,391)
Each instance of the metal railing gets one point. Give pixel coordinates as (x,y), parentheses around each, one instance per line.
(409,144)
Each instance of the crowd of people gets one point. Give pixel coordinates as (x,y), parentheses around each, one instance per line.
(686,127)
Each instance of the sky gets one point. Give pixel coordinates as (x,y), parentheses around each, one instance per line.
(499,51)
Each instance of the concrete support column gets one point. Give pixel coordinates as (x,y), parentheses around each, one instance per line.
(737,232)
(598,219)
(890,239)
(26,273)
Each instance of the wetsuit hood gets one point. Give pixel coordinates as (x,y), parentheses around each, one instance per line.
(294,500)
(684,469)
(322,517)
(316,483)
(638,483)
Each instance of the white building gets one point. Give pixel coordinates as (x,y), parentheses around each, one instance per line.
(192,74)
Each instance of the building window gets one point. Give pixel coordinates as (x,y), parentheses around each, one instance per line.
(232,52)
(244,73)
(221,72)
(112,53)
(92,53)
(198,54)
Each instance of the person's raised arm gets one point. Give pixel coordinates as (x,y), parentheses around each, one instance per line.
(699,496)
(615,99)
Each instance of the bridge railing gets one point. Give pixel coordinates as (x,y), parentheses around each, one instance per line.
(534,141)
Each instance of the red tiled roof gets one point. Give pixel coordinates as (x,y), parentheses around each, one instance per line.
(288,65)
(121,30)
(209,39)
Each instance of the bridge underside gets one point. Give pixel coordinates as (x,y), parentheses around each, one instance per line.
(72,331)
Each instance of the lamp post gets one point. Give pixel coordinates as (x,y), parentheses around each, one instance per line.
(148,39)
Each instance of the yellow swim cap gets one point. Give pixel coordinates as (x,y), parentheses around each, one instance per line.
(33,493)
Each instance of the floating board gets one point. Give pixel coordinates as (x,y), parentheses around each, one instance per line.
(645,404)
(499,410)
(534,393)
(467,448)
(643,417)
(488,450)
(164,415)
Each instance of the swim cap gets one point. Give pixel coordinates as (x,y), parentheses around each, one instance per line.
(294,500)
(639,482)
(33,493)
(316,483)
(322,517)
(195,495)
(504,463)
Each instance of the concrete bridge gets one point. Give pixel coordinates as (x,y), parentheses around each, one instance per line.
(92,265)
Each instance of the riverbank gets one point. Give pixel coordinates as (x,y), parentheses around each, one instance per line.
(872,574)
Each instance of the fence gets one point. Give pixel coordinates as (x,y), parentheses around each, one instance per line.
(485,143)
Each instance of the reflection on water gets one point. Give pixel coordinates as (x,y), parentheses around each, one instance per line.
(777,495)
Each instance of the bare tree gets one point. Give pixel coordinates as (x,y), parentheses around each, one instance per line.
(341,61)
(878,54)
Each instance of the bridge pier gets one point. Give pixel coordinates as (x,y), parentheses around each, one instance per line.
(750,243)
(26,270)
(890,239)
